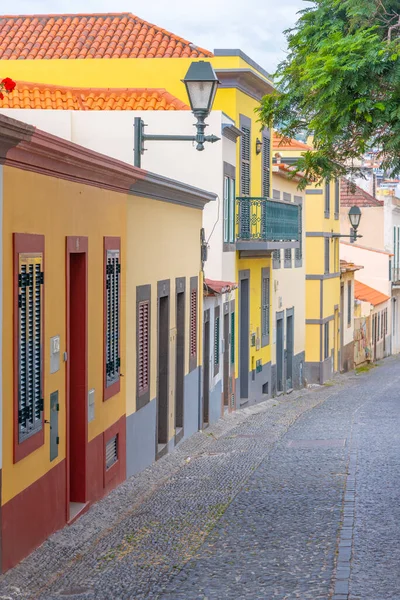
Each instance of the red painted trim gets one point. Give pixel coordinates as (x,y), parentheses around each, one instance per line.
(31,516)
(24,243)
(110,243)
(74,244)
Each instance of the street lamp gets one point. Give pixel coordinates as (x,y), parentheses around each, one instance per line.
(201,86)
(354,215)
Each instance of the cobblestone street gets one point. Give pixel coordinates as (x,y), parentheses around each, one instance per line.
(297,497)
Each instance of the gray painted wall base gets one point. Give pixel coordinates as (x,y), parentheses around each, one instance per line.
(215,403)
(191,403)
(141,439)
(319,372)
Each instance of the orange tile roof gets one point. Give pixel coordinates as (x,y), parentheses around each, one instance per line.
(368,294)
(43,96)
(280,143)
(359,198)
(118,35)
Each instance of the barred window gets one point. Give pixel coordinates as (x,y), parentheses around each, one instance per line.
(112,306)
(30,344)
(216,340)
(193,324)
(143,347)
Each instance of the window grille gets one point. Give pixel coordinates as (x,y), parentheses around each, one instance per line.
(113,271)
(111,452)
(143,347)
(216,341)
(265,310)
(193,323)
(30,328)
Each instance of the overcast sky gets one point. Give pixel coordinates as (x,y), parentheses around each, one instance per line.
(254,26)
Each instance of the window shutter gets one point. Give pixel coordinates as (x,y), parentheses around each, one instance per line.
(326,255)
(144,346)
(193,323)
(349,302)
(30,323)
(232,338)
(266,173)
(265,307)
(113,270)
(226,209)
(216,340)
(288,257)
(245,161)
(111,452)
(232,215)
(337,197)
(276,259)
(299,251)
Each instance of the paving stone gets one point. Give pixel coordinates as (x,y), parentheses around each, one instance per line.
(250,515)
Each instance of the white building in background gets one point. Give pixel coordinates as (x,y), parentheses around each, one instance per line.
(213,169)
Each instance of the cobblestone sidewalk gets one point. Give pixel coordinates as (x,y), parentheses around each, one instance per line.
(144,539)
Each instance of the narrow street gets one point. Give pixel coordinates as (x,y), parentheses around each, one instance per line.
(297,497)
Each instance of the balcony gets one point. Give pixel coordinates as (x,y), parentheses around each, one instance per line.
(264,225)
(395,277)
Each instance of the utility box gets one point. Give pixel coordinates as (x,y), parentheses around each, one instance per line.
(91,405)
(55,354)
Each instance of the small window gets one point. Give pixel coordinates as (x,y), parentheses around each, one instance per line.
(217,329)
(193,324)
(112,318)
(349,303)
(327,257)
(111,452)
(288,258)
(265,306)
(30,344)
(276,259)
(326,340)
(327,199)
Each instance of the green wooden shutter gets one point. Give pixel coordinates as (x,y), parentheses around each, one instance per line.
(266,168)
(245,161)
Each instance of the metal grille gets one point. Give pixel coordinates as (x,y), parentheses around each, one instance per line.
(111,451)
(266,177)
(30,400)
(113,270)
(265,307)
(193,323)
(216,340)
(276,259)
(232,338)
(245,159)
(267,220)
(143,350)
(288,257)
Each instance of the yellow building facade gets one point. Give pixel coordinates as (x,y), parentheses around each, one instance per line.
(101,331)
(322,226)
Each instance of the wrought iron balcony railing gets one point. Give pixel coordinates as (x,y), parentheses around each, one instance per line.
(266,220)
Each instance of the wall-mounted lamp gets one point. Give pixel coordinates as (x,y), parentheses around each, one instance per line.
(354,215)
(258,146)
(201,85)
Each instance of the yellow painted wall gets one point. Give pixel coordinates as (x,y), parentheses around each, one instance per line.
(255,265)
(176,229)
(61,208)
(313,343)
(164,73)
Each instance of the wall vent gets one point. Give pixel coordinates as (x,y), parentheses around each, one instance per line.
(111,451)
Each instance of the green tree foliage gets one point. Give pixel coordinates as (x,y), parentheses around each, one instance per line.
(340,82)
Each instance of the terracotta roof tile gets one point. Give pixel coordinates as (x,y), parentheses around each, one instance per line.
(212,287)
(359,198)
(368,294)
(279,143)
(348,267)
(38,95)
(120,35)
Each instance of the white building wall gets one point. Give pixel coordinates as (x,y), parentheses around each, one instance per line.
(376,266)
(348,328)
(111,133)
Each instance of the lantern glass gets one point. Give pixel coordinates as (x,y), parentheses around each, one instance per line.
(201,85)
(355,216)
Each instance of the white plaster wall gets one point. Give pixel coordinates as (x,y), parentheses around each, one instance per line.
(371,226)
(376,266)
(288,285)
(111,133)
(348,330)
